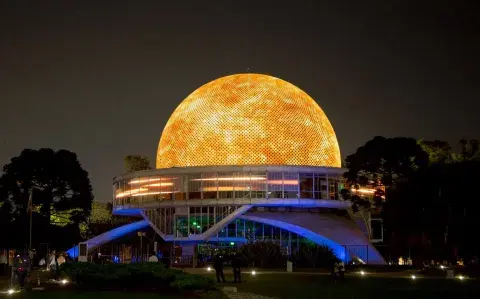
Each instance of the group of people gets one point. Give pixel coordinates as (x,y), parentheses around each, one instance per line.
(218,265)
(21,267)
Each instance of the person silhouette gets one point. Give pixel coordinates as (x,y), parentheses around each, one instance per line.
(218,266)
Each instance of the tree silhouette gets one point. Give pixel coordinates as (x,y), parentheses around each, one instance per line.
(386,161)
(136,163)
(61,191)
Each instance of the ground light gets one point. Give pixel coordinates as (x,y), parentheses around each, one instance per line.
(209,269)
(413,277)
(64,281)
(362,273)
(461,277)
(10,292)
(253,272)
(442,267)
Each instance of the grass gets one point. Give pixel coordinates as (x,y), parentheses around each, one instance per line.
(286,286)
(293,286)
(92,295)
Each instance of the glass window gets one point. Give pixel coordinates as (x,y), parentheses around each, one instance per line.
(320,185)
(275,233)
(290,185)
(258,231)
(258,184)
(209,185)
(240,228)
(275,185)
(267,232)
(225,185)
(177,188)
(242,184)
(194,186)
(333,188)
(249,230)
(232,230)
(181,226)
(306,185)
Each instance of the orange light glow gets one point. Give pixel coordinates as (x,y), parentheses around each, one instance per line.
(253,178)
(159,185)
(141,181)
(149,193)
(364,190)
(225,188)
(130,192)
(285,182)
(248,119)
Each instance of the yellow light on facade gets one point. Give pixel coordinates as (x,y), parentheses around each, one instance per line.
(130,192)
(159,185)
(150,193)
(252,178)
(225,188)
(248,119)
(284,182)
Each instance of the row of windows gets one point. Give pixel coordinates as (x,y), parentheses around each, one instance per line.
(226,186)
(197,220)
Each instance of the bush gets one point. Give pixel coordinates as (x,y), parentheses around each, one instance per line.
(133,276)
(314,256)
(263,254)
(193,282)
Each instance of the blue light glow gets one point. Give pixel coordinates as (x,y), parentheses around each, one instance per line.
(109,236)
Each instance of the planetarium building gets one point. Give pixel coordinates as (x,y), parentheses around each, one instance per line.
(244,158)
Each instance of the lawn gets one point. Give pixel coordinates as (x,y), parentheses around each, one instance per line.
(91,295)
(299,286)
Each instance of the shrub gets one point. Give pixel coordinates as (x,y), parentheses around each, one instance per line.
(132,276)
(193,282)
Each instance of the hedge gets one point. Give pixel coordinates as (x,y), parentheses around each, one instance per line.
(133,276)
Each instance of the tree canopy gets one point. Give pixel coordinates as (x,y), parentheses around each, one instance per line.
(385,161)
(61,193)
(430,208)
(136,163)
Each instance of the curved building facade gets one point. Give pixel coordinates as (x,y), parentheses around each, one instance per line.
(243,158)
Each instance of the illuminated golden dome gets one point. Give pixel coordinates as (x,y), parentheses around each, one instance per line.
(248,119)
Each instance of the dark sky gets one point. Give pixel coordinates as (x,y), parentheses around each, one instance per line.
(101,78)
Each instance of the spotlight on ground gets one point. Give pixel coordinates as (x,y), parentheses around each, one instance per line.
(209,269)
(413,277)
(362,273)
(442,267)
(10,291)
(253,272)
(64,281)
(461,277)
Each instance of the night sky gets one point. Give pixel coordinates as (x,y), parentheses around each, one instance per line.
(100,78)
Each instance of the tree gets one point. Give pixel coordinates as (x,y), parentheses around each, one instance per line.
(136,163)
(385,161)
(438,151)
(61,192)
